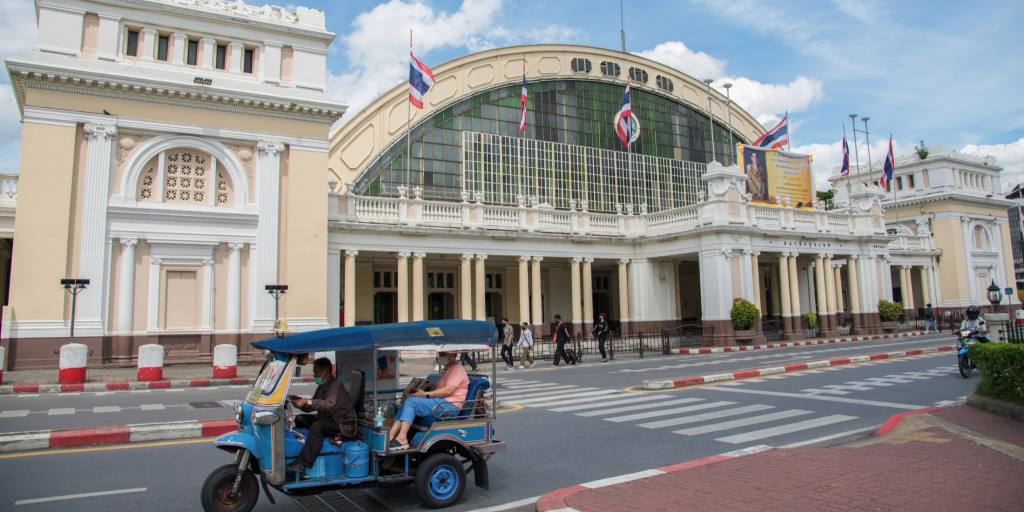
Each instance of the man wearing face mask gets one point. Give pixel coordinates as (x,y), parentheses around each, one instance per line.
(333,409)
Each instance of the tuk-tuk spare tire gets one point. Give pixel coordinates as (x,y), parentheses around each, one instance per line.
(440,480)
(214,495)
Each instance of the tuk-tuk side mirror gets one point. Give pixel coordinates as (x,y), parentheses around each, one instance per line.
(265,418)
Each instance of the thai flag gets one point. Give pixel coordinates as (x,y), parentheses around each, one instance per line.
(624,120)
(522,103)
(421,78)
(888,168)
(845,170)
(777,137)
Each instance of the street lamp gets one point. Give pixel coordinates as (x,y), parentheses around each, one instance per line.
(74,287)
(995,295)
(728,100)
(711,120)
(276,291)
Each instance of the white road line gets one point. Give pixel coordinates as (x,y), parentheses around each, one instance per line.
(558,400)
(743,422)
(671,422)
(175,390)
(875,403)
(604,482)
(508,506)
(513,389)
(632,399)
(152,407)
(21,413)
(789,428)
(828,437)
(666,412)
(27,395)
(65,395)
(563,390)
(639,407)
(140,391)
(61,411)
(106,408)
(79,496)
(611,395)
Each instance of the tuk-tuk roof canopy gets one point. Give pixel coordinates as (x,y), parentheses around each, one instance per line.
(428,336)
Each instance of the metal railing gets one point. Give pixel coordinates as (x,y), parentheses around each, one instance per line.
(587,349)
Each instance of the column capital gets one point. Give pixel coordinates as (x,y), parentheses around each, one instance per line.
(623,261)
(269,148)
(467,257)
(829,256)
(538,259)
(793,254)
(480,257)
(208,262)
(155,261)
(236,246)
(755,253)
(821,255)
(403,254)
(906,267)
(726,252)
(100,131)
(588,260)
(351,253)
(129,242)
(419,255)
(524,259)
(577,260)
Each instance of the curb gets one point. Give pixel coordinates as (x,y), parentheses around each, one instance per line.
(996,406)
(694,380)
(15,389)
(746,348)
(555,501)
(895,420)
(119,434)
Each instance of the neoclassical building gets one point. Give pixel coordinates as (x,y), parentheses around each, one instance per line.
(178,153)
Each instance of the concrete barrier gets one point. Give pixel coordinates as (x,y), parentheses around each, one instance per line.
(151,363)
(72,363)
(225,361)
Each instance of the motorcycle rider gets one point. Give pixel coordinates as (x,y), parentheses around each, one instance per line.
(974,322)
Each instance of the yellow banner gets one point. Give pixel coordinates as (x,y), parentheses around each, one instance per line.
(774,174)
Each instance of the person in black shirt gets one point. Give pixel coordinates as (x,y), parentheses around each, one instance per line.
(562,336)
(333,407)
(601,333)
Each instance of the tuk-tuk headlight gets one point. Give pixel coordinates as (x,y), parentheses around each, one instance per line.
(238,412)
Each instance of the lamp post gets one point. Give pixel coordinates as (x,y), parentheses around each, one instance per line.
(995,295)
(728,101)
(711,120)
(74,287)
(276,291)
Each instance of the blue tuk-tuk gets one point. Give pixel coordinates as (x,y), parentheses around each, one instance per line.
(442,451)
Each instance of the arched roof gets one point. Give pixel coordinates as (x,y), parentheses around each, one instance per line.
(380,123)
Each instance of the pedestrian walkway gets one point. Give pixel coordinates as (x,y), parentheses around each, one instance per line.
(955,458)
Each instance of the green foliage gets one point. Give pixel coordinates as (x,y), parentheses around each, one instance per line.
(1002,370)
(827,197)
(812,319)
(889,311)
(743,314)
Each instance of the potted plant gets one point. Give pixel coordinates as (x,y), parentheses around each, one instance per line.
(889,312)
(744,317)
(811,319)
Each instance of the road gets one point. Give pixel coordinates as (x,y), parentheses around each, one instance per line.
(574,425)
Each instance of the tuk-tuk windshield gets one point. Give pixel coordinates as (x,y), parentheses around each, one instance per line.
(267,381)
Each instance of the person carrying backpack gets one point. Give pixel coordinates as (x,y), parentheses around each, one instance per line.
(526,345)
(561,337)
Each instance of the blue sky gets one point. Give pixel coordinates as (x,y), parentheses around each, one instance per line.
(946,72)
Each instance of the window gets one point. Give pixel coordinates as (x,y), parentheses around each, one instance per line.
(436,280)
(132,49)
(222,53)
(162,46)
(493,282)
(910,182)
(664,83)
(247,59)
(899,183)
(981,242)
(638,75)
(193,52)
(580,65)
(383,279)
(610,69)
(185,177)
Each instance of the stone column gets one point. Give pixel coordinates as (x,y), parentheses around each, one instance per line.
(417,285)
(206,321)
(623,295)
(126,287)
(466,287)
(821,290)
(153,301)
(208,54)
(784,300)
(926,284)
(840,301)
(830,294)
(333,286)
(794,294)
(147,44)
(234,286)
(236,51)
(480,312)
(179,48)
(905,287)
(403,287)
(350,287)
(588,295)
(93,248)
(535,300)
(268,193)
(909,269)
(575,293)
(755,278)
(524,289)
(851,276)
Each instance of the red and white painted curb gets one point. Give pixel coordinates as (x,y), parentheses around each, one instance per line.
(120,434)
(789,344)
(895,420)
(555,501)
(694,380)
(100,387)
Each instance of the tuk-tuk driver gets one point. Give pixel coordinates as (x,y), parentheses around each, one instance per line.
(447,397)
(333,408)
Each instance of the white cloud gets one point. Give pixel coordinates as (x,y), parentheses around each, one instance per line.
(696,64)
(1010,156)
(18,26)
(829,156)
(769,102)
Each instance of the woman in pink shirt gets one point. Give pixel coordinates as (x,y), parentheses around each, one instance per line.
(447,397)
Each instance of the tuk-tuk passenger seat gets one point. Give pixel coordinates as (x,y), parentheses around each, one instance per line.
(478,386)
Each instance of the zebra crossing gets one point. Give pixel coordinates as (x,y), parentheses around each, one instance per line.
(853,385)
(870,383)
(732,422)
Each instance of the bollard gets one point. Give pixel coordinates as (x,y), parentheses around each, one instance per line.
(3,363)
(225,362)
(328,355)
(151,363)
(72,363)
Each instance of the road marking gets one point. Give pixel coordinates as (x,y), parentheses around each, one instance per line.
(631,400)
(639,407)
(789,428)
(671,422)
(875,403)
(828,437)
(604,482)
(561,391)
(508,506)
(666,412)
(614,394)
(152,407)
(64,451)
(543,385)
(61,411)
(744,422)
(558,399)
(106,408)
(21,413)
(80,496)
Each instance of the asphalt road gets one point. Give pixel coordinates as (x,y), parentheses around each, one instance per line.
(575,425)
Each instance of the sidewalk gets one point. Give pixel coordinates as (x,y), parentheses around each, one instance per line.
(956,458)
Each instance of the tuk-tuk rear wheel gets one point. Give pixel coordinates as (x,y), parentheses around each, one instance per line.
(216,493)
(440,480)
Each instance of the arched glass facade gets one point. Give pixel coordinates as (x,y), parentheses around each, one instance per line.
(569,154)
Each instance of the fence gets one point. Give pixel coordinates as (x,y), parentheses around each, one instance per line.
(587,348)
(688,335)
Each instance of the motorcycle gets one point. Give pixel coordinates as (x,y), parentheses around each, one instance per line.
(963,359)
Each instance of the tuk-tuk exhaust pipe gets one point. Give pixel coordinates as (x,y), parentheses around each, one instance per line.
(243,466)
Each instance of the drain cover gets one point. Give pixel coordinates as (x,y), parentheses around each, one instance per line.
(341,501)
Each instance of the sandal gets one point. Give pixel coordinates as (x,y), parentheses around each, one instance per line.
(396,446)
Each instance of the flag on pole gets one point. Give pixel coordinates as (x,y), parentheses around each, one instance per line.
(627,126)
(421,78)
(889,168)
(522,102)
(777,137)
(845,169)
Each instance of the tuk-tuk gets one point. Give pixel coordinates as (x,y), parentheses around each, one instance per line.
(441,452)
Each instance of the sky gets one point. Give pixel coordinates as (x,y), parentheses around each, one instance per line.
(944,72)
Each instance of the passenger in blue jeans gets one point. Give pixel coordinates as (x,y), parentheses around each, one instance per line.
(447,397)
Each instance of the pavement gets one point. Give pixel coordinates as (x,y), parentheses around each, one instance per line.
(950,458)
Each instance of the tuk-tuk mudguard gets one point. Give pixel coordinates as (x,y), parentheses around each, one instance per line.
(236,440)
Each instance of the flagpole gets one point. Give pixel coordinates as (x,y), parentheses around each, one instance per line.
(408,128)
(788,136)
(856,151)
(849,192)
(522,142)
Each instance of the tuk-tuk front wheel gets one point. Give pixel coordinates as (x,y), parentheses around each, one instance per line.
(440,480)
(216,494)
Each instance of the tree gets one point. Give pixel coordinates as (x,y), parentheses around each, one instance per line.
(827,197)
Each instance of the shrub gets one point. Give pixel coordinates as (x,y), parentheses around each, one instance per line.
(812,319)
(743,314)
(889,311)
(1002,370)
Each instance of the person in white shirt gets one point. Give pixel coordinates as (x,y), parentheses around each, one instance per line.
(526,344)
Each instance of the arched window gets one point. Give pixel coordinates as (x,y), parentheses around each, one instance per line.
(185,176)
(981,240)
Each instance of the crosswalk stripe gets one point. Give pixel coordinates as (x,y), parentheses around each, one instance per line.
(639,407)
(789,428)
(531,386)
(561,391)
(559,398)
(633,398)
(742,422)
(21,413)
(671,422)
(667,412)
(584,400)
(152,407)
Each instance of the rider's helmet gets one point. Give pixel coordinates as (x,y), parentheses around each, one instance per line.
(972,312)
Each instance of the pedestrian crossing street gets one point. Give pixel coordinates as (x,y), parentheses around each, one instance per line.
(729,422)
